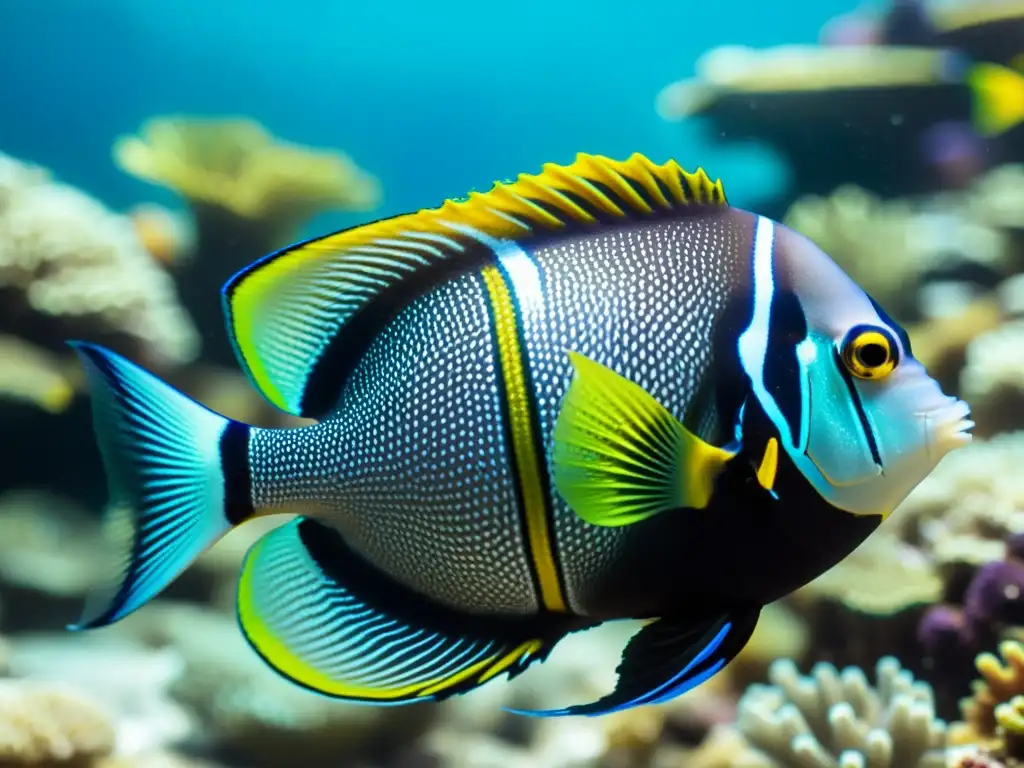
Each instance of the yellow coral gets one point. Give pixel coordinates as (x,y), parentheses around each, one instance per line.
(941,343)
(1002,679)
(33,375)
(237,166)
(1010,724)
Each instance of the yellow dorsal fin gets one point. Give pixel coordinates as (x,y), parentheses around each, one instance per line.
(290,315)
(591,188)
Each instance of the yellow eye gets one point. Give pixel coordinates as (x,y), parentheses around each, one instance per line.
(870,353)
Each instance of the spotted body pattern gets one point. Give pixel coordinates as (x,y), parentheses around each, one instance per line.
(417,462)
(595,393)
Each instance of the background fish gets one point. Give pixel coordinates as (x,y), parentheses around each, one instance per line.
(591,394)
(833,112)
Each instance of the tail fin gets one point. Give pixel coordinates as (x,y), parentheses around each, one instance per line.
(998,94)
(178,476)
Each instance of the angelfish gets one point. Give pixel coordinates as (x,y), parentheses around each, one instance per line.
(591,394)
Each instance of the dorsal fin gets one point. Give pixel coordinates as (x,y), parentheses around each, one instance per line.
(300,317)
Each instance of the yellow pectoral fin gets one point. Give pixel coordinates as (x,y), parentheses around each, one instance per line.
(325,624)
(621,457)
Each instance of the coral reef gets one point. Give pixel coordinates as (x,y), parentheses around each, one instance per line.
(961,237)
(831,718)
(239,180)
(33,375)
(788,97)
(993,377)
(1002,679)
(71,268)
(249,193)
(891,78)
(921,211)
(45,725)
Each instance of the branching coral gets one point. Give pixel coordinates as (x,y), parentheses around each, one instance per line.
(833,719)
(71,268)
(1010,726)
(1002,679)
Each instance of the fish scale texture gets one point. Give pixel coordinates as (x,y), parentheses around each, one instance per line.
(427,493)
(413,465)
(641,301)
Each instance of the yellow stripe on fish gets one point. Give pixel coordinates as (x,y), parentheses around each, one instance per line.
(529,459)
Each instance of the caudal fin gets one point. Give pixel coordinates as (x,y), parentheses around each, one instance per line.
(178,478)
(998,94)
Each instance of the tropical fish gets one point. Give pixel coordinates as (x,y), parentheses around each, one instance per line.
(596,393)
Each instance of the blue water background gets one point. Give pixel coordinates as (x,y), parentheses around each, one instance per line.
(434,98)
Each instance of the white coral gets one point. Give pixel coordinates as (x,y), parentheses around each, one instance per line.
(965,508)
(832,719)
(71,257)
(994,363)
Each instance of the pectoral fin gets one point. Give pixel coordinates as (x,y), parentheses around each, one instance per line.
(329,621)
(667,658)
(621,457)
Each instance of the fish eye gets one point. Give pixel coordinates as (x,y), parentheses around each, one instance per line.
(869,352)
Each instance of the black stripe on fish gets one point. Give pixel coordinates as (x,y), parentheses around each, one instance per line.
(865,425)
(783,375)
(234,459)
(350,343)
(893,326)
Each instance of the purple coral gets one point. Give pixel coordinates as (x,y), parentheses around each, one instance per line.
(951,636)
(955,151)
(994,597)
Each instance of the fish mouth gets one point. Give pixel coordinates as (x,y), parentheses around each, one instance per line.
(947,427)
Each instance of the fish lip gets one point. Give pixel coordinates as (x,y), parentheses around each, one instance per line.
(947,427)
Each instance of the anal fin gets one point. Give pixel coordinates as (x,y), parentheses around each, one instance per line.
(666,658)
(326,619)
